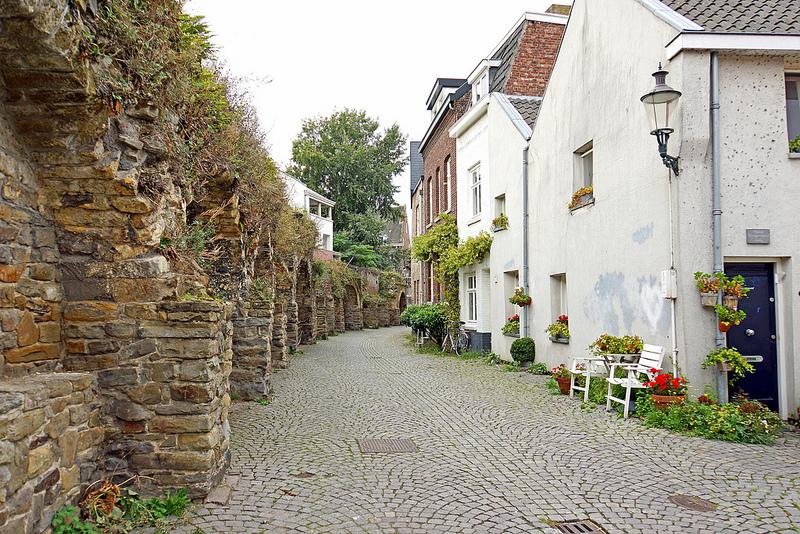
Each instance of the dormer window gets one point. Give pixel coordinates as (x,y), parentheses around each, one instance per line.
(481,87)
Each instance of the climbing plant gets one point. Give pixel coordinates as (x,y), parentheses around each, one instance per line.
(440,245)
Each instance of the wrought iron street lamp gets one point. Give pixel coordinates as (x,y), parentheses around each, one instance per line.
(660,102)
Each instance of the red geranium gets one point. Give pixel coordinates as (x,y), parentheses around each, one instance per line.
(563,319)
(666,384)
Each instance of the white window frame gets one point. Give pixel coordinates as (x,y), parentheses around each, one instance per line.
(448,162)
(558,296)
(584,167)
(472,297)
(792,77)
(430,200)
(475,189)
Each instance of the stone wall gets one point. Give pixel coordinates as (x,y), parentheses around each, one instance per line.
(353,312)
(50,435)
(252,350)
(306,303)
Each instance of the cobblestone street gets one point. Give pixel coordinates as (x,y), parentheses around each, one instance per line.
(496,453)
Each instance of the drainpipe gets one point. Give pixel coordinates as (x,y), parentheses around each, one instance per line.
(525,282)
(719,338)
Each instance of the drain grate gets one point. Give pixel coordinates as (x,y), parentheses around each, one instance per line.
(691,502)
(579,527)
(390,445)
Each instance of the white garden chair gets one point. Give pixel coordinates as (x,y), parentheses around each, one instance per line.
(587,367)
(652,357)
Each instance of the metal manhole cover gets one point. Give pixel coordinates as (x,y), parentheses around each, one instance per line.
(693,503)
(579,527)
(375,445)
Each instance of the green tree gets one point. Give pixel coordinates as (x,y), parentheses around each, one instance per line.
(348,159)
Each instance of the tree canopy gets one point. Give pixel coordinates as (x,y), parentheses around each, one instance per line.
(347,158)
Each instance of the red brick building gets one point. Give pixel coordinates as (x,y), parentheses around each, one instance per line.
(519,65)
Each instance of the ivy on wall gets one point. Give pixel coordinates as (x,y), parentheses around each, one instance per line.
(441,246)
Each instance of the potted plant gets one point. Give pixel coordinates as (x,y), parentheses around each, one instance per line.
(562,376)
(581,197)
(794,145)
(728,360)
(733,289)
(666,389)
(728,317)
(708,285)
(620,348)
(511,328)
(559,330)
(520,298)
(500,222)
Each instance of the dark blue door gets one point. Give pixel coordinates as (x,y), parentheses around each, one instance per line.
(755,338)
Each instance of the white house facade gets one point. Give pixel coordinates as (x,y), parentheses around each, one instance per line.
(491,140)
(622,260)
(318,207)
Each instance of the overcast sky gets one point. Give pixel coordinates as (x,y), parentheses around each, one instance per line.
(322,56)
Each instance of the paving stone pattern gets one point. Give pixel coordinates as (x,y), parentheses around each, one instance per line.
(497,453)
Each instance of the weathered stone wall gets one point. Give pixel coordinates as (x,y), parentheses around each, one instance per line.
(30,293)
(280,350)
(353,312)
(371,315)
(164,386)
(50,436)
(338,305)
(306,303)
(252,350)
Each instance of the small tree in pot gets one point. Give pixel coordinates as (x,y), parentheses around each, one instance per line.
(523,350)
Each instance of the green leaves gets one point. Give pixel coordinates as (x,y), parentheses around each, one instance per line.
(346,158)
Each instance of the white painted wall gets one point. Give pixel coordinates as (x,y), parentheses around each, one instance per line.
(614,251)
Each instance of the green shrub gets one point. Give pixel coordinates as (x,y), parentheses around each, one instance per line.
(539,368)
(406,318)
(523,350)
(742,422)
(430,318)
(68,521)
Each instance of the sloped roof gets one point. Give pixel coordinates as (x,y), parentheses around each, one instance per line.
(506,54)
(741,16)
(417,168)
(527,106)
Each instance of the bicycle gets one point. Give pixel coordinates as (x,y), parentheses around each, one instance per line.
(457,337)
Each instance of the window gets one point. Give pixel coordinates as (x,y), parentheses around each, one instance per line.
(475,173)
(420,209)
(472,298)
(558,295)
(430,281)
(584,166)
(446,185)
(480,88)
(438,190)
(499,205)
(793,105)
(430,200)
(510,284)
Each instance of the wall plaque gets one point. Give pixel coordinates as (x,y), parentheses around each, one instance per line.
(758,236)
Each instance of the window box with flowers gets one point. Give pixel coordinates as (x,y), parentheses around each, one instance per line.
(582,197)
(626,349)
(519,298)
(500,223)
(559,330)
(666,389)
(511,328)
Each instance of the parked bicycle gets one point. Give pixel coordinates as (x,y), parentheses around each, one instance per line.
(456,337)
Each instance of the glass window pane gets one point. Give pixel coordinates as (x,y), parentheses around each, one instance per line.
(793,106)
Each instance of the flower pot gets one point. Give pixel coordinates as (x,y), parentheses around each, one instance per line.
(662,402)
(563,340)
(730,302)
(708,299)
(725,367)
(724,327)
(563,385)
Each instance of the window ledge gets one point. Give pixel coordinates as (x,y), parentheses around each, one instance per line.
(512,335)
(585,204)
(794,155)
(561,340)
(474,219)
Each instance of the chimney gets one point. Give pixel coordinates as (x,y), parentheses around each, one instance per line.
(559,9)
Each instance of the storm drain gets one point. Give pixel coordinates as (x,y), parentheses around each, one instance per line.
(579,527)
(388,445)
(690,502)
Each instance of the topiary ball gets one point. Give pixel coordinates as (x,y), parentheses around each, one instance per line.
(523,350)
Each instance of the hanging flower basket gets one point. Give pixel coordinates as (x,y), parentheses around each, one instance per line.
(730,302)
(724,327)
(708,299)
(725,367)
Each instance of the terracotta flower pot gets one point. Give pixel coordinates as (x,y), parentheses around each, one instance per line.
(662,402)
(563,385)
(724,327)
